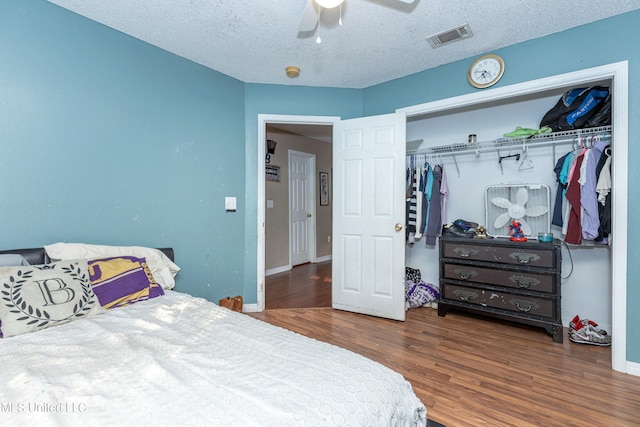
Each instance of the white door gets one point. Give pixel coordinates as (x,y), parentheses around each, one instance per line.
(301,207)
(369,215)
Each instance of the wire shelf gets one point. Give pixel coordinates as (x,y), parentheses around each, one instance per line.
(535,140)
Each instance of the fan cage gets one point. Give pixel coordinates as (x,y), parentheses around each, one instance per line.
(538,195)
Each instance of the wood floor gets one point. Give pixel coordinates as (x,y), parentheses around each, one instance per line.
(473,371)
(304,286)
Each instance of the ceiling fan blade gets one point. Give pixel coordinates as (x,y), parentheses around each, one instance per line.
(309,18)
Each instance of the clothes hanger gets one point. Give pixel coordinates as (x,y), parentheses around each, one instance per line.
(526,163)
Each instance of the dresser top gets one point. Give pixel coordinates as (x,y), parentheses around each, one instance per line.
(531,243)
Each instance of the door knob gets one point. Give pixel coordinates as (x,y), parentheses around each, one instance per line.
(398,227)
(308,215)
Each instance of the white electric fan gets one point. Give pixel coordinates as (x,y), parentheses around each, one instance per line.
(526,203)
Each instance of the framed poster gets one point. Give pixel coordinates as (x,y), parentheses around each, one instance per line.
(324,189)
(272,173)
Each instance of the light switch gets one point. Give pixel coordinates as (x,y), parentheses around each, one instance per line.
(269,204)
(230,204)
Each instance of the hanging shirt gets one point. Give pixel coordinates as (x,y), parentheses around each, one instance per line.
(588,194)
(427,197)
(434,226)
(604,205)
(562,186)
(411,205)
(603,187)
(574,229)
(566,203)
(444,195)
(419,199)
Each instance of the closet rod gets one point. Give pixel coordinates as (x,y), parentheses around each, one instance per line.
(564,137)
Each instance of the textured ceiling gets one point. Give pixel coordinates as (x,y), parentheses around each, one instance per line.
(380,40)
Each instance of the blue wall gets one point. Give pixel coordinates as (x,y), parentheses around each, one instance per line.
(604,42)
(106,139)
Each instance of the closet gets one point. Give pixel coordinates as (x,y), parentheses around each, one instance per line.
(442,137)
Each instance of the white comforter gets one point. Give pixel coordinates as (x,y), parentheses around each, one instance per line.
(179,360)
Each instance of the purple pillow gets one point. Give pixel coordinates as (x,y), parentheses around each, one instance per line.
(123,280)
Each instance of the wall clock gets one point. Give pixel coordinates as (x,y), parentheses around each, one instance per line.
(486,71)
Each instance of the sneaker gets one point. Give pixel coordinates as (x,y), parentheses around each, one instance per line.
(454,230)
(588,334)
(577,321)
(465,225)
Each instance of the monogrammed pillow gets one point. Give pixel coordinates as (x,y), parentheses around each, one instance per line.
(40,296)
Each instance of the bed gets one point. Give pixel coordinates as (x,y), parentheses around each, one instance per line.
(174,359)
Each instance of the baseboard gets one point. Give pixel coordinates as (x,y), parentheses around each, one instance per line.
(324,258)
(277,270)
(250,308)
(633,368)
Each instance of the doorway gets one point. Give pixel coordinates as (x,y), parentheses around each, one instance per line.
(275,259)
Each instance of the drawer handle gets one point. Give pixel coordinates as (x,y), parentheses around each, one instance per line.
(526,310)
(465,296)
(465,274)
(524,282)
(523,257)
(466,252)
(524,305)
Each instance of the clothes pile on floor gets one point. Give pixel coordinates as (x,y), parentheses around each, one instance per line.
(417,292)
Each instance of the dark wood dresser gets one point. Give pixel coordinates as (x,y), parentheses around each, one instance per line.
(515,281)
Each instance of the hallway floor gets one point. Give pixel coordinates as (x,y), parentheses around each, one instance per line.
(304,286)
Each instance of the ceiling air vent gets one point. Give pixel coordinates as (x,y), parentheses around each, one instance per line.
(450,36)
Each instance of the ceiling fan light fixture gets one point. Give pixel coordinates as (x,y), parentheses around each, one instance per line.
(329,4)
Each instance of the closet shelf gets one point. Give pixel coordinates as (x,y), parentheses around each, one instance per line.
(554,138)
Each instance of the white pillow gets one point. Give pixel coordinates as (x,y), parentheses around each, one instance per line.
(39,296)
(162,268)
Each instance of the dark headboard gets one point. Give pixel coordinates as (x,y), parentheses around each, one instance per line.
(35,256)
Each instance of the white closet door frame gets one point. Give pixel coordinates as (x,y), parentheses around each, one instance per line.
(618,73)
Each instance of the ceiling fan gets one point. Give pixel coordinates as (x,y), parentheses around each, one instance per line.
(313,8)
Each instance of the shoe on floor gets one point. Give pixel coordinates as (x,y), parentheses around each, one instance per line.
(588,334)
(577,321)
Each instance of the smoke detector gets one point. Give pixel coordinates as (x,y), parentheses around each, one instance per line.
(292,71)
(450,36)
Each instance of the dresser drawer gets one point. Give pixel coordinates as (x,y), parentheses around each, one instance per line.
(526,255)
(507,278)
(524,304)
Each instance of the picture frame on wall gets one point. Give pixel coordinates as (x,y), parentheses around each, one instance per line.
(272,173)
(324,189)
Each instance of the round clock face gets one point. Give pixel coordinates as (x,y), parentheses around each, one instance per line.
(486,71)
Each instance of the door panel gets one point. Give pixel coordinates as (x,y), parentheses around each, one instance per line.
(369,200)
(301,207)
